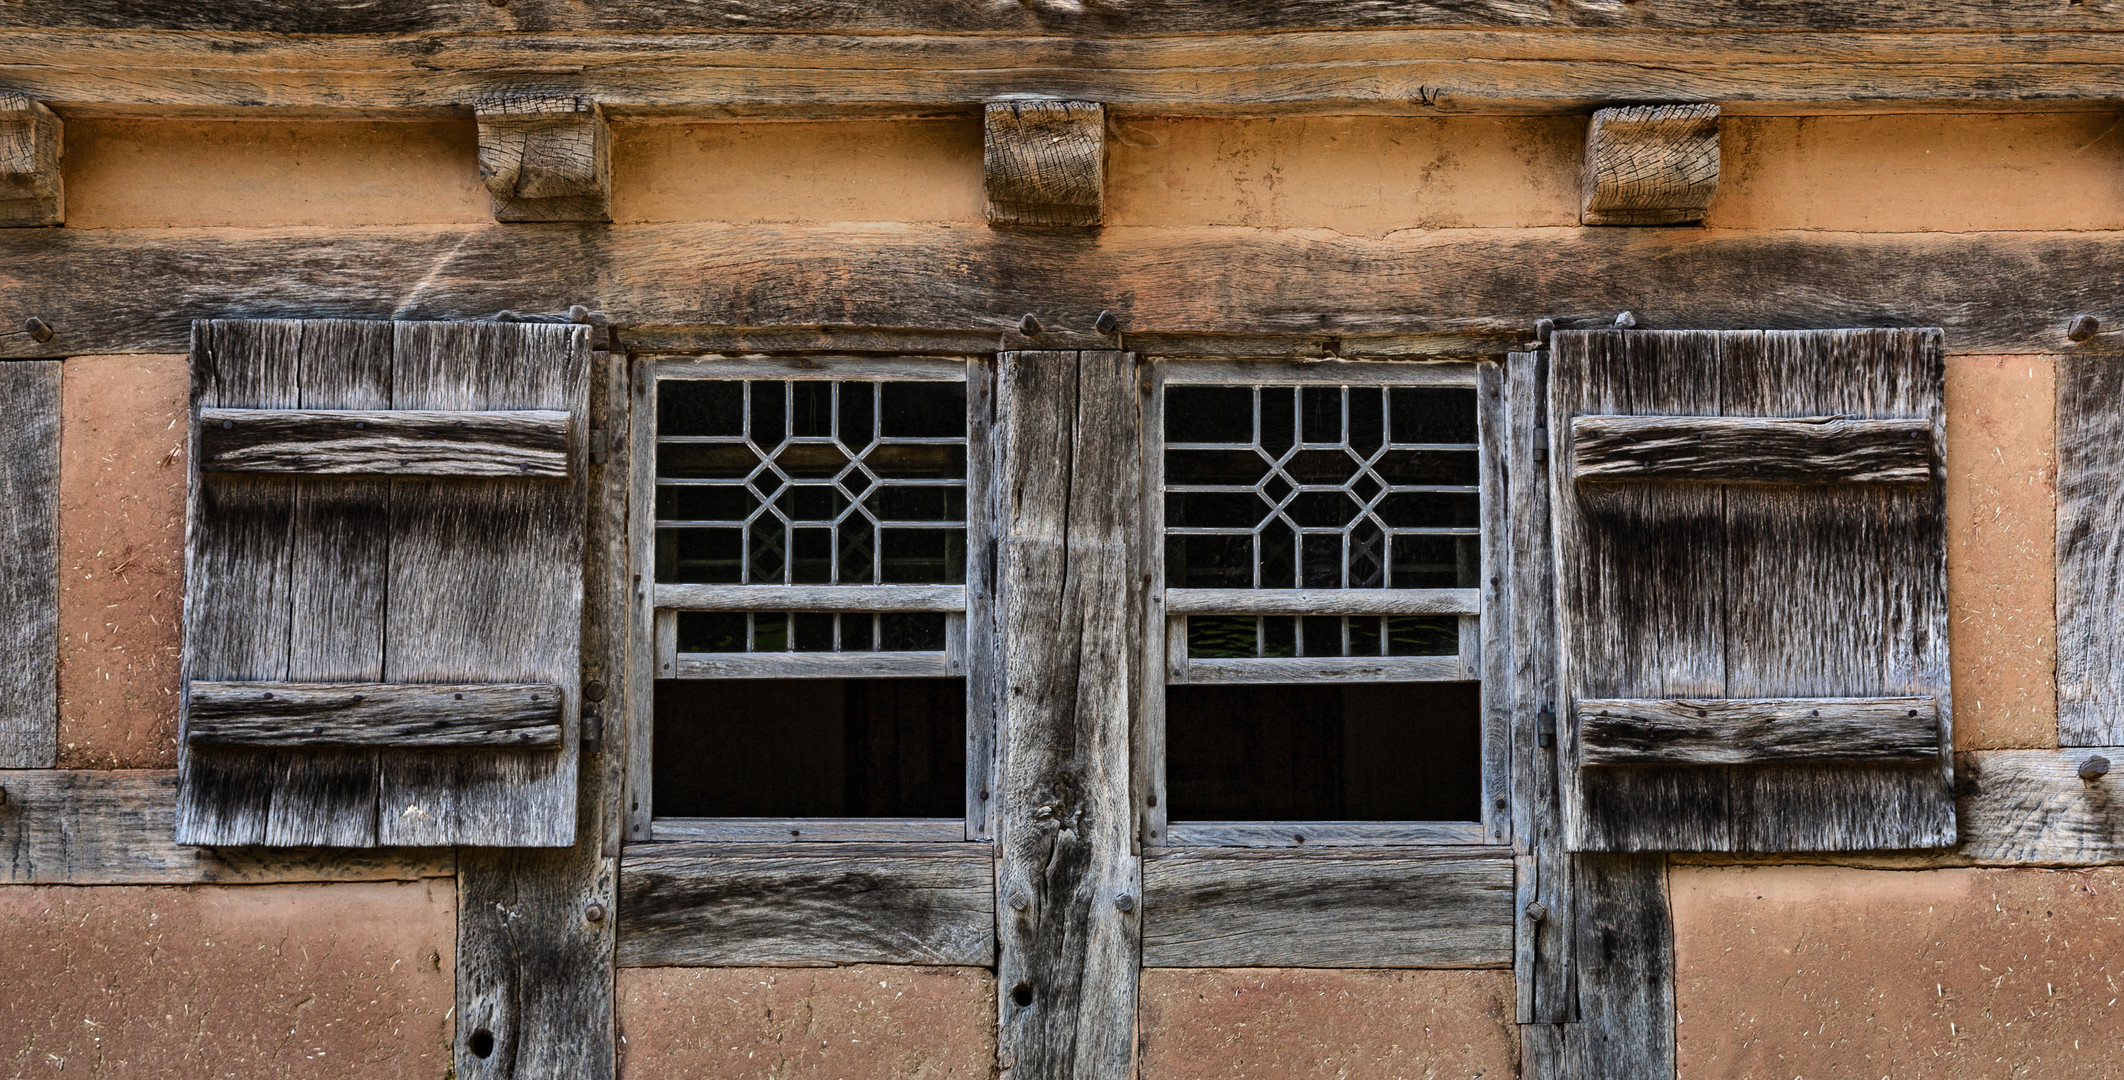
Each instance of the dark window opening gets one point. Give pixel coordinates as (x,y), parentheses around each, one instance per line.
(1324,752)
(810,748)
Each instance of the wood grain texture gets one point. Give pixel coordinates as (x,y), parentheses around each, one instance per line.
(806,905)
(1699,591)
(1726,731)
(1752,450)
(1069,602)
(29,564)
(1398,69)
(125,290)
(1624,938)
(32,185)
(1337,834)
(2090,551)
(1044,162)
(2032,807)
(878,665)
(1650,165)
(384,442)
(809,830)
(545,157)
(1323,669)
(1323,601)
(1448,908)
(62,827)
(374,714)
(810,597)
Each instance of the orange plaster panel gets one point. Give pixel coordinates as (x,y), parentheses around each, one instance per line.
(1825,972)
(1364,175)
(121,559)
(874,170)
(868,1022)
(1921,172)
(145,173)
(2001,550)
(250,981)
(1286,1024)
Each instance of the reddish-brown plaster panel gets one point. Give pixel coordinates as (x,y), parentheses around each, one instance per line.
(2001,552)
(249,981)
(1286,1024)
(121,559)
(1365,175)
(1921,172)
(1828,972)
(868,1022)
(144,173)
(856,170)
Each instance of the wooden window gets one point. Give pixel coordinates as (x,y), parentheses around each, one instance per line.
(807,605)
(1321,532)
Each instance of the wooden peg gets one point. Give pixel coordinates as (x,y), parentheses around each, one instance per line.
(1651,165)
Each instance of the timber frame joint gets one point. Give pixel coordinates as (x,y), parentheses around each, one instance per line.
(31,188)
(1044,163)
(545,157)
(1650,165)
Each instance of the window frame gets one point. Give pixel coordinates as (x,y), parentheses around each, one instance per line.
(653,645)
(1485,637)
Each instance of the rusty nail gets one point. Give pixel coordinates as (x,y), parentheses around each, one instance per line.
(1537,911)
(1029,325)
(2094,768)
(594,913)
(593,691)
(2081,328)
(38,329)
(1106,323)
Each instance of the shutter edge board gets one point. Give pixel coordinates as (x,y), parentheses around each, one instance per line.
(1748,731)
(1752,450)
(386,442)
(263,714)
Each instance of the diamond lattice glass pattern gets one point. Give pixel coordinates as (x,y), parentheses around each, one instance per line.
(1321,487)
(770,482)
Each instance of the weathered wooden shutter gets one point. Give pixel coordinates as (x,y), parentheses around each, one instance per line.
(1752,587)
(384,583)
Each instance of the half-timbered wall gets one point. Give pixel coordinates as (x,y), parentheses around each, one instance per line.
(1239,230)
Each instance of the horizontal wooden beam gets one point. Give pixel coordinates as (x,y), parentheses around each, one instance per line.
(136,290)
(67,827)
(1322,669)
(753,830)
(1446,907)
(1295,834)
(793,665)
(374,714)
(811,597)
(1736,731)
(712,905)
(1149,61)
(379,442)
(1323,601)
(1752,450)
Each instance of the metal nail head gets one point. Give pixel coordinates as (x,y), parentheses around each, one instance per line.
(38,329)
(593,691)
(1106,323)
(2081,328)
(1125,902)
(2094,768)
(1029,325)
(1537,911)
(594,913)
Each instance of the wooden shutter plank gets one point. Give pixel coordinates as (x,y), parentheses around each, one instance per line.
(1838,592)
(2090,550)
(375,714)
(1743,731)
(1444,907)
(1752,450)
(802,904)
(29,564)
(486,585)
(1069,605)
(382,442)
(238,576)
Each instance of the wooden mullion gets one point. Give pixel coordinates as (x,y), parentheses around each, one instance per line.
(874,598)
(983,657)
(1490,630)
(1321,601)
(1163,643)
(851,665)
(1332,372)
(652,644)
(1323,669)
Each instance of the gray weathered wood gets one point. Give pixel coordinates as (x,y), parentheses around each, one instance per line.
(1297,834)
(855,665)
(2090,550)
(118,827)
(1701,591)
(1323,601)
(374,714)
(1338,371)
(811,597)
(1449,908)
(809,830)
(545,157)
(1752,450)
(486,585)
(980,649)
(536,927)
(1650,165)
(29,564)
(1486,642)
(32,184)
(380,442)
(1069,602)
(1624,939)
(1323,669)
(1546,988)
(2030,806)
(1727,731)
(807,905)
(133,290)
(1044,162)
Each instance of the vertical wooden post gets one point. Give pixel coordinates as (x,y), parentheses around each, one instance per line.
(1069,599)
(29,564)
